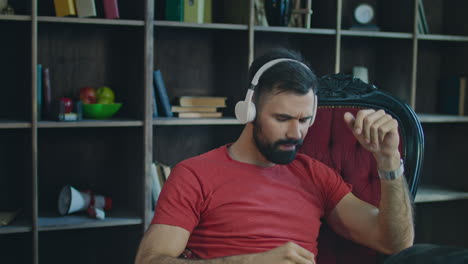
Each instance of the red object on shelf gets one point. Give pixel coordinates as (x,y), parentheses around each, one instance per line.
(111,9)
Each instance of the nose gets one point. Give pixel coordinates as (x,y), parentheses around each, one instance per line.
(294,130)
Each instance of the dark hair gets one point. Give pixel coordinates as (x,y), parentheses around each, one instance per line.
(284,76)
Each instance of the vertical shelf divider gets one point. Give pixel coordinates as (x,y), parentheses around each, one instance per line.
(414,61)
(339,11)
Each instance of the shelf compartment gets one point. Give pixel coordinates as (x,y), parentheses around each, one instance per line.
(445,17)
(79,55)
(16,248)
(318,50)
(54,222)
(437,60)
(91,123)
(15,68)
(427,194)
(195,121)
(98,21)
(177,24)
(217,64)
(377,34)
(105,160)
(438,118)
(387,60)
(113,244)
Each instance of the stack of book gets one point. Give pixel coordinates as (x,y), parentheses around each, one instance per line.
(199,106)
(86,8)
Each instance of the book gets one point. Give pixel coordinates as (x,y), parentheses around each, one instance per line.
(85,8)
(155,185)
(64,8)
(47,94)
(111,9)
(39,91)
(154,105)
(207,12)
(200,115)
(174,10)
(162,98)
(452,95)
(166,170)
(184,109)
(193,11)
(213,101)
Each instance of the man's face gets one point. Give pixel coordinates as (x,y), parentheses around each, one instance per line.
(281,125)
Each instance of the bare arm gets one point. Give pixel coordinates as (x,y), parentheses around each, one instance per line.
(389,228)
(162,244)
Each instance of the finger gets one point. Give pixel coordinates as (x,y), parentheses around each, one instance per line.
(388,127)
(368,121)
(358,123)
(376,136)
(304,253)
(349,120)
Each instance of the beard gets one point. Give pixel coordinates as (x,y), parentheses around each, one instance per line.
(271,151)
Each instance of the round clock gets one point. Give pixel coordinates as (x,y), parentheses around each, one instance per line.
(363,13)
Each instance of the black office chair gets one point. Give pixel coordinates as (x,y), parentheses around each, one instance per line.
(331,141)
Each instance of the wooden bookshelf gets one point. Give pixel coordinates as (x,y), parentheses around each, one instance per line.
(114,156)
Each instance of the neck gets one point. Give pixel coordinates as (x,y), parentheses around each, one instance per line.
(245,150)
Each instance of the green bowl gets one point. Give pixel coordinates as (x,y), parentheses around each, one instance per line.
(100,111)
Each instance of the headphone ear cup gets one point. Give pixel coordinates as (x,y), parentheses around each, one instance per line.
(243,112)
(252,112)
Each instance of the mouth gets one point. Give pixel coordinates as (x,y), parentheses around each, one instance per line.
(287,147)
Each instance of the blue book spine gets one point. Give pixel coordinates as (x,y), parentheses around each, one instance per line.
(161,97)
(154,104)
(39,91)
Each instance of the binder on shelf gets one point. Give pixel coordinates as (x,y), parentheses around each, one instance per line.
(111,9)
(174,10)
(162,98)
(39,91)
(154,105)
(64,8)
(193,11)
(156,185)
(452,95)
(422,16)
(85,8)
(47,94)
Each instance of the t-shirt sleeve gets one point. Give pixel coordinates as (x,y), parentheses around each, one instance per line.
(180,201)
(334,189)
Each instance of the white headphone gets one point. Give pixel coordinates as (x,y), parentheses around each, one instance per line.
(246,111)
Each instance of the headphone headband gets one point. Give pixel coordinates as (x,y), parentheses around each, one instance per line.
(270,64)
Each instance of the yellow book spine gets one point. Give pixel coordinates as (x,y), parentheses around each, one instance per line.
(193,11)
(65,8)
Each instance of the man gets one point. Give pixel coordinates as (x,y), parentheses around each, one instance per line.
(257,201)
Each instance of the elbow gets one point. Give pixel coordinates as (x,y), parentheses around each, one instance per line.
(396,244)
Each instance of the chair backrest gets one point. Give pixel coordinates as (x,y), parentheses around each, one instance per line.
(330,140)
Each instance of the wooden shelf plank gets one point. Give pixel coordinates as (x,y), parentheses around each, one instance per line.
(99,21)
(289,30)
(443,37)
(195,121)
(51,223)
(427,194)
(438,118)
(164,23)
(10,124)
(14,229)
(91,123)
(377,34)
(15,17)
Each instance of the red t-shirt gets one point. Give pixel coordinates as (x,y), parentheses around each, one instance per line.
(232,208)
